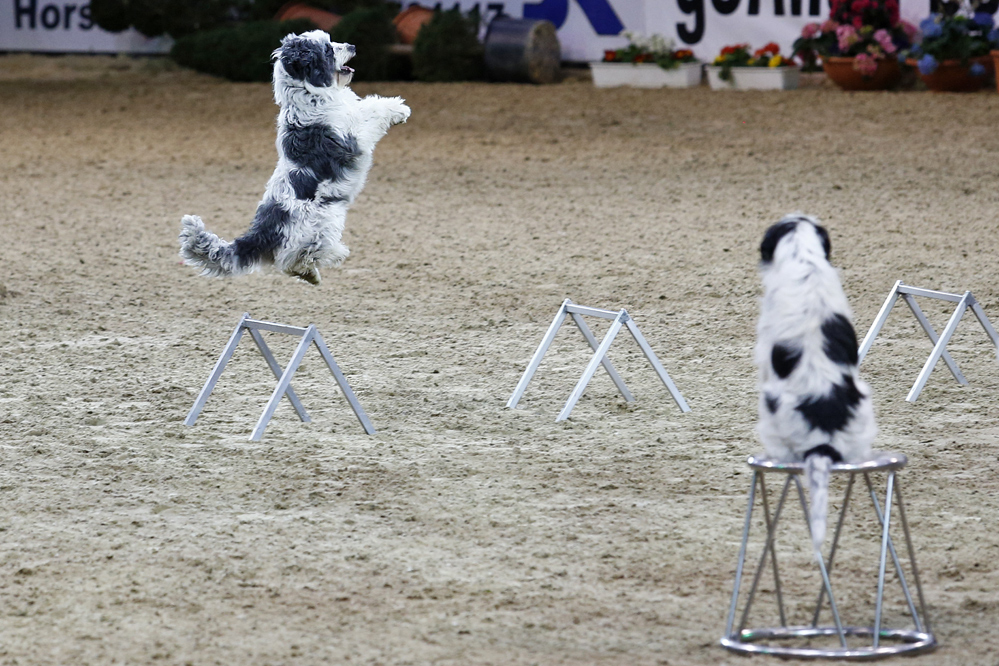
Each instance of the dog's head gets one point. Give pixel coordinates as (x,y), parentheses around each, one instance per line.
(796,234)
(312,61)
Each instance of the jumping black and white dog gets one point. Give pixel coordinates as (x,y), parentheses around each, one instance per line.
(325,139)
(813,405)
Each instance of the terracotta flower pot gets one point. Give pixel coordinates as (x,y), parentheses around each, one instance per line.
(841,72)
(995,66)
(952,76)
(295,10)
(409,21)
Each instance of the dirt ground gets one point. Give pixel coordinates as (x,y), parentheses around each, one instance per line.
(464,532)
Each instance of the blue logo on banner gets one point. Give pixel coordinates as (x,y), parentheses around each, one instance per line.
(598,12)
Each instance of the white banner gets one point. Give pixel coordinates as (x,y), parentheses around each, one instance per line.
(586,28)
(64,26)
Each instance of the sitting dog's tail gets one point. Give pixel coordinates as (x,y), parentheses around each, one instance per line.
(203,249)
(817,468)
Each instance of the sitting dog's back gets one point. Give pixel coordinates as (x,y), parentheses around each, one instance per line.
(813,406)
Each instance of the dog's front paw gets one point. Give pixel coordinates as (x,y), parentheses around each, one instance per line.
(399,112)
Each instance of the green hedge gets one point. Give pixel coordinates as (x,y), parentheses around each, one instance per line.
(371,31)
(448,49)
(240,53)
(183,17)
(156,17)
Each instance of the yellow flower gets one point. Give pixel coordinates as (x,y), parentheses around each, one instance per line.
(775,61)
(719,60)
(752,61)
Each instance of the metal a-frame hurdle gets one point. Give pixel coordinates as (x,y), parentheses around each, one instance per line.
(619,319)
(964,302)
(309,335)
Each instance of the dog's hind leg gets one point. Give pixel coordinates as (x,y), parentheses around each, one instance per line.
(310,275)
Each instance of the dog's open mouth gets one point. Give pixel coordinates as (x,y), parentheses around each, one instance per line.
(346,70)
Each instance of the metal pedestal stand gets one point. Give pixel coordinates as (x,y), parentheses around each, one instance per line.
(309,336)
(740,639)
(964,301)
(619,318)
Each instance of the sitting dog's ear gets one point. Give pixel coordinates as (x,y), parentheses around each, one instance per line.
(824,235)
(305,60)
(772,237)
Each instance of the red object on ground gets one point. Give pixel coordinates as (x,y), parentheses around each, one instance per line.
(841,72)
(296,10)
(409,21)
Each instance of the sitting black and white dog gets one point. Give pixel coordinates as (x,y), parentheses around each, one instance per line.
(813,404)
(325,140)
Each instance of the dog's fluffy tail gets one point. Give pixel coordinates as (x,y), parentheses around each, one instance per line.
(817,473)
(203,249)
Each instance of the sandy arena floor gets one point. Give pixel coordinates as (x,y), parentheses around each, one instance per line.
(463,532)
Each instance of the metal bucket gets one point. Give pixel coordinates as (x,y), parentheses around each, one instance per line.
(522,50)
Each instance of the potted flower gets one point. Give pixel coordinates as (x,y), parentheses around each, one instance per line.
(737,67)
(954,54)
(647,62)
(858,43)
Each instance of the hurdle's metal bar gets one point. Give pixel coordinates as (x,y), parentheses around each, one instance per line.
(822,566)
(341,381)
(265,351)
(929,293)
(283,383)
(928,327)
(879,321)
(984,321)
(276,328)
(742,554)
(654,360)
(884,556)
(532,367)
(594,345)
(591,368)
(893,552)
(220,364)
(938,349)
(592,312)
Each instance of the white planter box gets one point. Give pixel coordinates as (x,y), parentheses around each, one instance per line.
(645,75)
(755,78)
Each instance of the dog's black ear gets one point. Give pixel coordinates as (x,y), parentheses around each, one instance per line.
(306,60)
(824,235)
(772,237)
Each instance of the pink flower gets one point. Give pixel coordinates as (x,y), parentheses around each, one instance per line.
(884,40)
(847,37)
(910,30)
(828,26)
(810,30)
(865,64)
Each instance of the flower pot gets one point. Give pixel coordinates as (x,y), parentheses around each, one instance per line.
(296,10)
(952,76)
(645,75)
(755,78)
(409,21)
(841,72)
